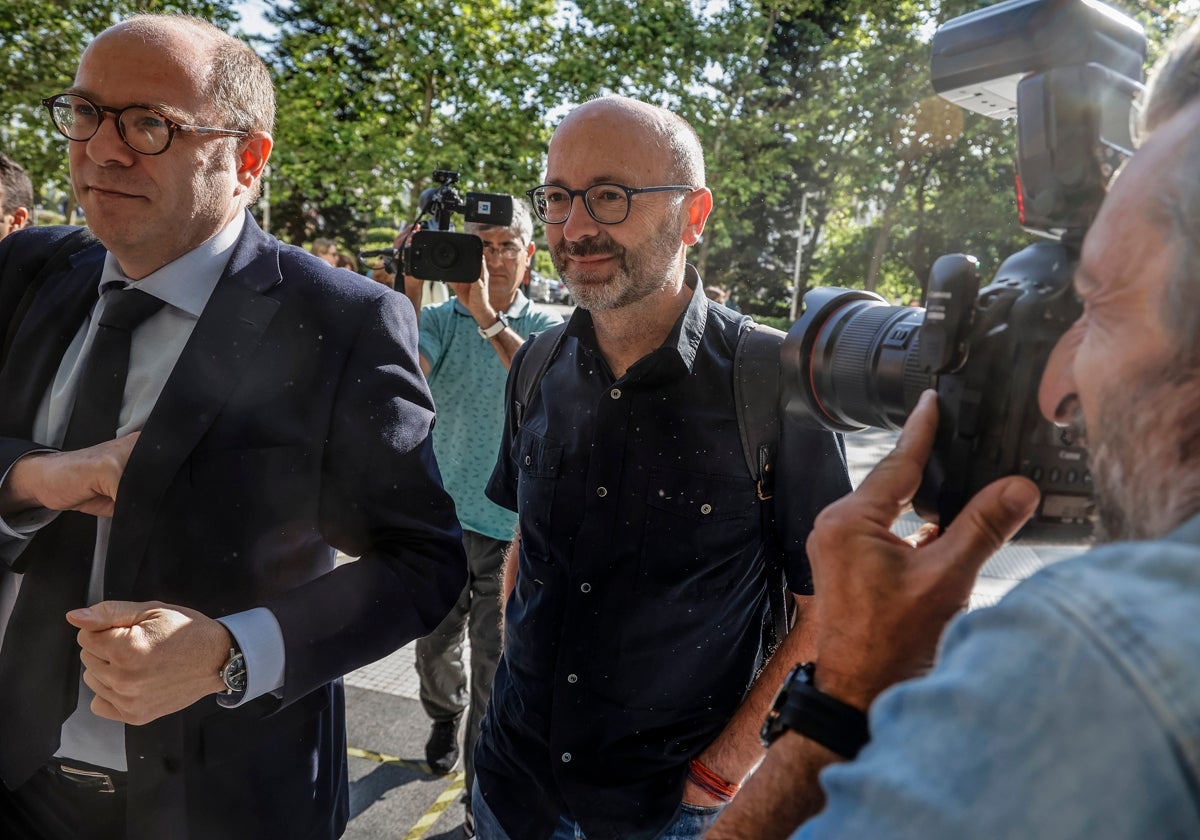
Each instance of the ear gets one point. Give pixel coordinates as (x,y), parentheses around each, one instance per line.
(529,253)
(253,155)
(696,208)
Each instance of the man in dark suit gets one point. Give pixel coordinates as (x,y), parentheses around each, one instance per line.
(273,409)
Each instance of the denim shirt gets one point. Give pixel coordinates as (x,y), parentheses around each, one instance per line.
(1071,709)
(635,625)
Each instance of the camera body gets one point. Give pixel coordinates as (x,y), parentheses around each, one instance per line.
(437,253)
(1068,70)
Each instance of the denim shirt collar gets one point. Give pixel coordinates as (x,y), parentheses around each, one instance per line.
(1188,532)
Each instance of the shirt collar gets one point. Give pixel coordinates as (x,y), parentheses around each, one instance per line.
(677,352)
(187,282)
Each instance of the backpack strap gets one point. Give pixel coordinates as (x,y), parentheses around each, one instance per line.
(757,385)
(539,351)
(756,388)
(68,247)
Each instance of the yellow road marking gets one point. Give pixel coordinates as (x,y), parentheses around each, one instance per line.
(458,781)
(381,758)
(449,796)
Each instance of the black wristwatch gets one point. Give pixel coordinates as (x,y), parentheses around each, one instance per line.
(802,707)
(233,672)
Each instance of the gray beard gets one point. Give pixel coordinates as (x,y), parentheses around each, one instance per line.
(641,272)
(1145,463)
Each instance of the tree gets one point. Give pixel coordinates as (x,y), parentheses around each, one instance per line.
(378,95)
(42,45)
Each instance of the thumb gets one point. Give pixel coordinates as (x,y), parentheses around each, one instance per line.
(990,519)
(107,614)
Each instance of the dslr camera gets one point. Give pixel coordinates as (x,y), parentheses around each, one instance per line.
(437,253)
(1070,71)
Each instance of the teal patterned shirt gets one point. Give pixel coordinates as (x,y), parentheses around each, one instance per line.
(467,380)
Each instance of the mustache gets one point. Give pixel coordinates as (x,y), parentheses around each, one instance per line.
(593,246)
(1074,433)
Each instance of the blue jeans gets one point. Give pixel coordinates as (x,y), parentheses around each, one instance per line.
(690,824)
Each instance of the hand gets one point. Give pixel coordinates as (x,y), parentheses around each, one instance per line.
(883,602)
(147,660)
(85,480)
(475,297)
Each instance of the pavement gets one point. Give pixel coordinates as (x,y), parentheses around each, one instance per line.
(392,793)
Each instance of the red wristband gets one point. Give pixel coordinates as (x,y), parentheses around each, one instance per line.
(709,782)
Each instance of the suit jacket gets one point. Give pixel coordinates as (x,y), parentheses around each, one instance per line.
(296,421)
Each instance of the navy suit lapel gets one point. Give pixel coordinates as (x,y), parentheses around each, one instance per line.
(213,361)
(53,319)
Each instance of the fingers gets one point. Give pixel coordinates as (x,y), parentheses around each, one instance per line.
(889,488)
(989,520)
(103,708)
(108,614)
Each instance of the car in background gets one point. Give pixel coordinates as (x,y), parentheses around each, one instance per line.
(543,289)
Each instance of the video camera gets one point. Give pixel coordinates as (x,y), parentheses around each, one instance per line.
(1069,70)
(437,253)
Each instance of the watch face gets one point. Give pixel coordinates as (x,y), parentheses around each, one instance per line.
(234,673)
(774,726)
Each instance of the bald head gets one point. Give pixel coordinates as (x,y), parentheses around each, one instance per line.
(644,127)
(233,79)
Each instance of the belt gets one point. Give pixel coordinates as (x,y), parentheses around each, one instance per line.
(85,777)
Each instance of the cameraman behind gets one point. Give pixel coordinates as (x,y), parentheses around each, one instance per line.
(466,346)
(1071,709)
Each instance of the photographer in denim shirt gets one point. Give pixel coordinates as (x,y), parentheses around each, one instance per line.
(1072,708)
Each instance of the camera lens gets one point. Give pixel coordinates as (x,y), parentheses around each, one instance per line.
(853,361)
(444,254)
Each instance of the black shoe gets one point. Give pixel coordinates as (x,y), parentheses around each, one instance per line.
(441,750)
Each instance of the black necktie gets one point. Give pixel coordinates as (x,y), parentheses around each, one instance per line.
(39,664)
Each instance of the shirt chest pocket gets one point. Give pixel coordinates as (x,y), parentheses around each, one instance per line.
(538,460)
(697,528)
(536,456)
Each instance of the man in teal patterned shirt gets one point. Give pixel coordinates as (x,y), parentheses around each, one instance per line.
(466,346)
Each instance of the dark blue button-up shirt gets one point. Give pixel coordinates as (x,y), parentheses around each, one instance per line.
(635,627)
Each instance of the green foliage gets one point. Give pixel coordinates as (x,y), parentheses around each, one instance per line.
(828,98)
(42,42)
(378,95)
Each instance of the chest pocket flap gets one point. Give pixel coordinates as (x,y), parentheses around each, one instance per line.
(536,456)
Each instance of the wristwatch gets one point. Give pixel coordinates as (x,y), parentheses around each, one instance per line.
(802,707)
(233,672)
(496,328)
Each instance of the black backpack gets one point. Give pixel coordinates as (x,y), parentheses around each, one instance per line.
(756,389)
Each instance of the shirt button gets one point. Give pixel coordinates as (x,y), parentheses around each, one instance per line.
(706,508)
(585,587)
(566,757)
(615,393)
(528,460)
(572,678)
(601,492)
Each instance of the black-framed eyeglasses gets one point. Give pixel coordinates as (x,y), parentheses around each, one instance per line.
(143,129)
(608,204)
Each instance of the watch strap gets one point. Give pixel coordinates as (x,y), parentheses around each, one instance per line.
(805,709)
(495,329)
